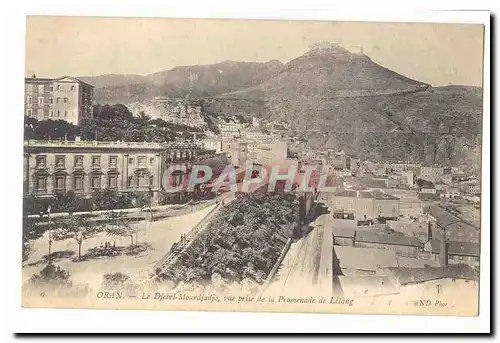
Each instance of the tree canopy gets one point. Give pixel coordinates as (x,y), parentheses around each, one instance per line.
(244,240)
(109,123)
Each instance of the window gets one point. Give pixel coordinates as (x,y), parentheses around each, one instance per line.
(60,183)
(58,113)
(30,100)
(460,258)
(72,88)
(95,181)
(151,160)
(41,183)
(130,160)
(96,161)
(151,180)
(57,99)
(40,161)
(51,88)
(51,113)
(79,161)
(60,161)
(30,89)
(51,101)
(40,101)
(65,114)
(129,181)
(112,181)
(65,100)
(29,112)
(78,182)
(141,160)
(41,88)
(112,161)
(58,87)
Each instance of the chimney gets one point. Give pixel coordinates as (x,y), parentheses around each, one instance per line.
(429,231)
(33,76)
(443,251)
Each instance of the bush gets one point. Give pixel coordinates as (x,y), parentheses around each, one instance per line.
(117,281)
(51,275)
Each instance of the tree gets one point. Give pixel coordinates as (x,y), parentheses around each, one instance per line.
(122,228)
(109,199)
(142,199)
(78,228)
(68,202)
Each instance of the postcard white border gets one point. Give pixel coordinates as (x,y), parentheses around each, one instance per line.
(37,320)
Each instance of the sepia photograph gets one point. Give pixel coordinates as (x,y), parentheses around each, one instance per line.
(253,165)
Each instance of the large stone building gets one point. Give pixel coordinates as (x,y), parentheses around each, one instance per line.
(63,98)
(52,167)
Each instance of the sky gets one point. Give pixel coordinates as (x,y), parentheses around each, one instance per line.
(438,54)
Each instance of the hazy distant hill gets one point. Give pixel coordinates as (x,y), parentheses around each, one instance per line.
(183,81)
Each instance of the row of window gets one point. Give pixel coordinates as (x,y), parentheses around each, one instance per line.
(41,161)
(41,100)
(95,182)
(41,88)
(41,114)
(461,258)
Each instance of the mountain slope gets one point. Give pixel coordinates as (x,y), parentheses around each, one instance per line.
(367,109)
(184,81)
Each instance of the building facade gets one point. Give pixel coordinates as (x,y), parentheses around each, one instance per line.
(64,98)
(52,167)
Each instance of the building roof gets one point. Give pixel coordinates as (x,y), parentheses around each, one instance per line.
(456,248)
(41,79)
(445,218)
(371,194)
(364,258)
(409,262)
(342,227)
(389,239)
(418,275)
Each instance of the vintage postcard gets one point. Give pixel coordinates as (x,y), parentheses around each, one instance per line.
(252,165)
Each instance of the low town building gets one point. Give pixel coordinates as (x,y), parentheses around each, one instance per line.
(364,205)
(343,231)
(401,244)
(361,261)
(457,252)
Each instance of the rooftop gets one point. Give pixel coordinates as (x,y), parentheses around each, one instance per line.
(45,79)
(103,144)
(418,275)
(372,194)
(408,262)
(364,258)
(457,248)
(390,239)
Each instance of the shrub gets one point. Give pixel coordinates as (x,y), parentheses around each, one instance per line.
(51,275)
